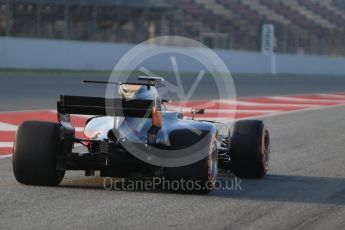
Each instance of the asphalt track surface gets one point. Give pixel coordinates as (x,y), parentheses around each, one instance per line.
(305,187)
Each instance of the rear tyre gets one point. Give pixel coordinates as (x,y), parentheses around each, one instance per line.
(249,149)
(198,177)
(35,154)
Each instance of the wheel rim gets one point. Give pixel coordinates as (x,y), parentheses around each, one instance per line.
(265,148)
(212,163)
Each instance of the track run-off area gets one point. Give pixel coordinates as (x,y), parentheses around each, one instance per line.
(215,110)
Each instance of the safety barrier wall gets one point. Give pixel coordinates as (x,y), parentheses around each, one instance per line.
(76,55)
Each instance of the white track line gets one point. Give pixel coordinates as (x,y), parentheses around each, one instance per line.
(257,104)
(295,99)
(6,144)
(7,127)
(239,102)
(326,95)
(227,120)
(5,156)
(295,111)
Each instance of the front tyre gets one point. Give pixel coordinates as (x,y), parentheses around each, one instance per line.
(36,148)
(249,149)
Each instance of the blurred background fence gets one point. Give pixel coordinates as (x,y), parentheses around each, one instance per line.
(26,53)
(301,26)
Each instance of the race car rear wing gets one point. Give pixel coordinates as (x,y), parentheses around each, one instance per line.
(108,107)
(105,107)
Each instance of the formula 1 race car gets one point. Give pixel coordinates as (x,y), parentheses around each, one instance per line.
(135,135)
